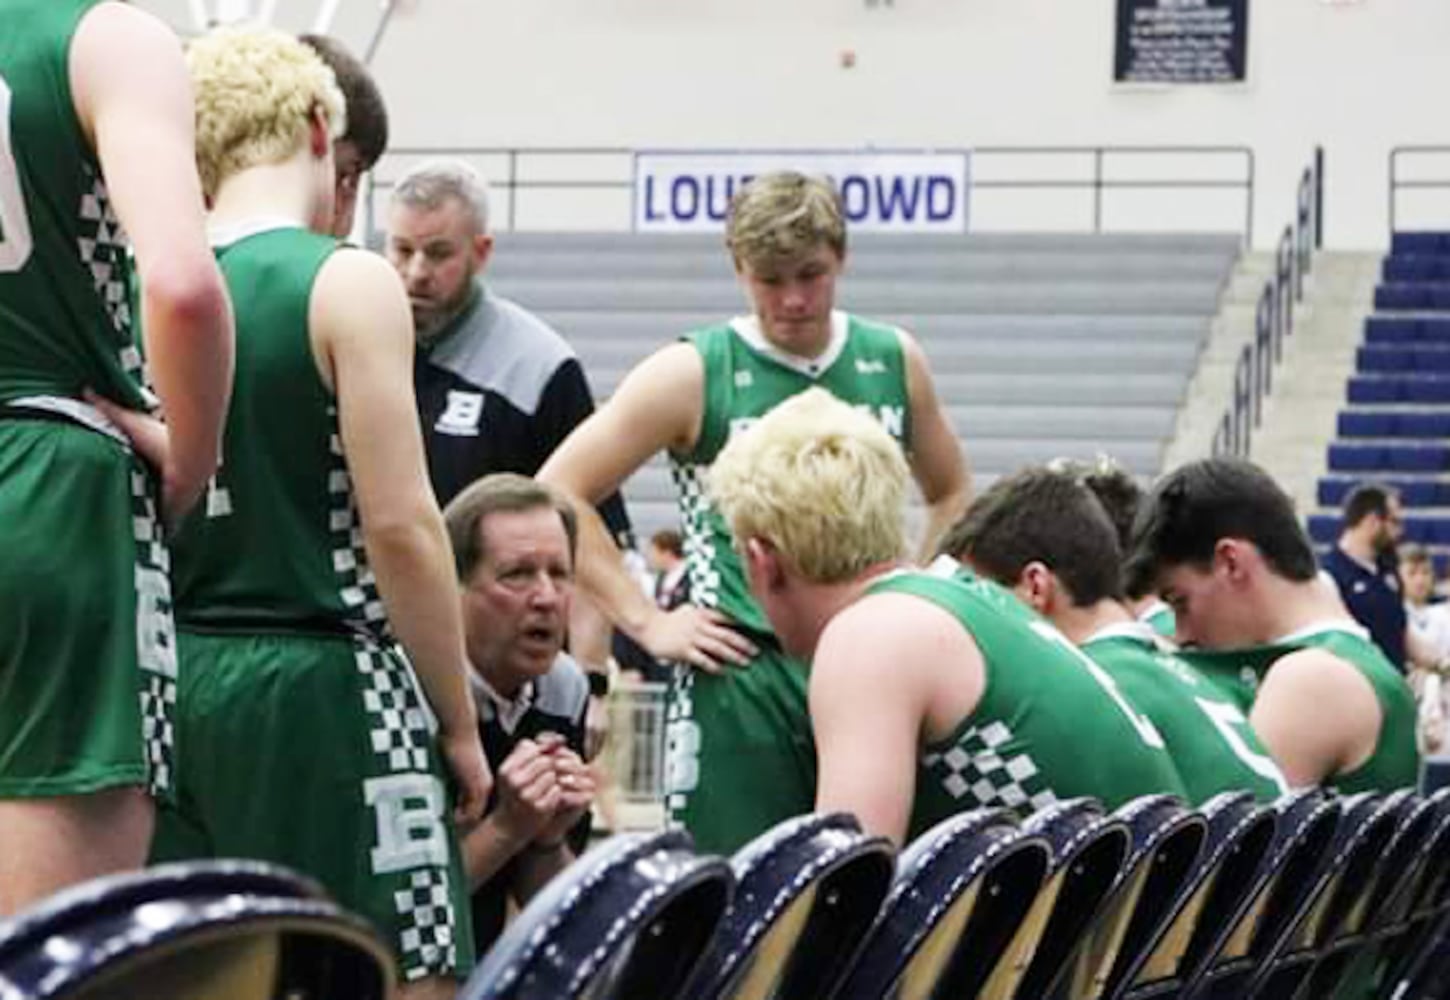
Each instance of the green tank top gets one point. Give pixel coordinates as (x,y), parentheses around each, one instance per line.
(65,318)
(1395,762)
(1051,723)
(744,379)
(1208,735)
(1161,620)
(276,541)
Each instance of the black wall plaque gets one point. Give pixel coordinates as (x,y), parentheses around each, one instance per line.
(1181,41)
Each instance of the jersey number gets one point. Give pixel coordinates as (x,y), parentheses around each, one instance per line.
(1228,720)
(1147,732)
(15,239)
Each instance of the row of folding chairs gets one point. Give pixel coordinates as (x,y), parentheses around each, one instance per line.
(1312,896)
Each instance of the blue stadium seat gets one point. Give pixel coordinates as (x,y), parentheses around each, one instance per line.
(1416,267)
(1412,295)
(962,890)
(1088,852)
(1414,492)
(1298,860)
(1397,358)
(630,919)
(239,930)
(1427,242)
(806,894)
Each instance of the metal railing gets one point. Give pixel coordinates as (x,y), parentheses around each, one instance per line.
(1100,174)
(1410,160)
(1253,379)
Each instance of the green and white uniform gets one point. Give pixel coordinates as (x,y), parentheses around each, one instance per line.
(1051,724)
(304,737)
(87,650)
(1395,762)
(1208,736)
(741,757)
(1160,618)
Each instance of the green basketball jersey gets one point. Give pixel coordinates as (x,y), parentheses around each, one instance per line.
(1395,762)
(1208,736)
(276,540)
(65,322)
(1051,723)
(745,377)
(1160,619)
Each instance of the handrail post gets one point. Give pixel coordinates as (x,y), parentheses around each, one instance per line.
(1097,189)
(1318,197)
(513,186)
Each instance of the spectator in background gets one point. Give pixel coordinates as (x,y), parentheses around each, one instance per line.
(1223,545)
(513,547)
(787,239)
(498,389)
(1428,616)
(1364,567)
(93,90)
(666,558)
(361,145)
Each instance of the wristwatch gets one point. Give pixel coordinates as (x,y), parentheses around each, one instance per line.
(598,683)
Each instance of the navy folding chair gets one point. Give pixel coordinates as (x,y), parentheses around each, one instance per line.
(1303,838)
(1238,834)
(805,894)
(1376,872)
(1332,904)
(1088,851)
(1409,944)
(630,919)
(221,930)
(1167,839)
(961,891)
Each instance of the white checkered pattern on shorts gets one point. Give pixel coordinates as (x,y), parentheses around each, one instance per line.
(974,770)
(156,640)
(401,729)
(428,943)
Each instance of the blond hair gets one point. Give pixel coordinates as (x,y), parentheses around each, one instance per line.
(780,217)
(256,92)
(822,481)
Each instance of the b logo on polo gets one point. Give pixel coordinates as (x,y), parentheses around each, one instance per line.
(460,417)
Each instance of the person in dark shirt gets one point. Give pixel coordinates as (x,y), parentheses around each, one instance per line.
(498,389)
(513,544)
(1365,568)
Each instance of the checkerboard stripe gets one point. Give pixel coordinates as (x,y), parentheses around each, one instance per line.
(156,638)
(975,772)
(429,945)
(699,542)
(356,585)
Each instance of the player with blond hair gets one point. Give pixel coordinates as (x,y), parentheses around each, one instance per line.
(787,236)
(309,730)
(970,699)
(95,135)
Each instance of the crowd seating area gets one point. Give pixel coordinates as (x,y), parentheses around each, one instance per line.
(1396,421)
(1301,898)
(1041,344)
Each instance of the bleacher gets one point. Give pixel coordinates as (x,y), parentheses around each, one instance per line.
(1041,344)
(1395,427)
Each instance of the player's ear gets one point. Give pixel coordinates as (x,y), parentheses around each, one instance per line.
(319,137)
(1036,586)
(1230,556)
(763,562)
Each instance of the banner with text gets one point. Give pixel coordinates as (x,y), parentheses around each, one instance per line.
(891,192)
(1182,41)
